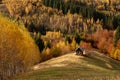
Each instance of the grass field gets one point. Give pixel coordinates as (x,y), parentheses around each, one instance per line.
(72,67)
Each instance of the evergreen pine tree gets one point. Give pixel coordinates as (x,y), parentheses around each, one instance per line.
(77,38)
(39,41)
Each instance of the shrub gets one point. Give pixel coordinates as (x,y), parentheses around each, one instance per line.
(18,50)
(55,52)
(49,53)
(46,54)
(65,48)
(48,44)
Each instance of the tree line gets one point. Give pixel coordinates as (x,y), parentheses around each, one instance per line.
(109,19)
(74,7)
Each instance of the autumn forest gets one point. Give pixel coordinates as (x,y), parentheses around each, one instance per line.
(34,31)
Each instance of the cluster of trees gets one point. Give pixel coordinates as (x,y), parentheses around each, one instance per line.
(73,23)
(73,6)
(33,14)
(109,19)
(108,41)
(56,44)
(103,40)
(39,19)
(42,19)
(18,50)
(52,44)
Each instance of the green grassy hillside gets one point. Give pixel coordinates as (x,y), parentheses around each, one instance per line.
(94,66)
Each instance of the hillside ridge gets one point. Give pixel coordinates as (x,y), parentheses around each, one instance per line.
(93,66)
(71,58)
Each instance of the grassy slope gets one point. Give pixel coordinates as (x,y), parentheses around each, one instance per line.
(94,66)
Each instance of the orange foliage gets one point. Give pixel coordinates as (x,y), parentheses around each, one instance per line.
(109,45)
(85,45)
(118,44)
(103,40)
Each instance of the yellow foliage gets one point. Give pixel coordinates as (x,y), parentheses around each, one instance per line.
(47,51)
(73,45)
(50,53)
(53,35)
(60,44)
(63,47)
(55,52)
(111,52)
(115,55)
(17,48)
(46,54)
(107,1)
